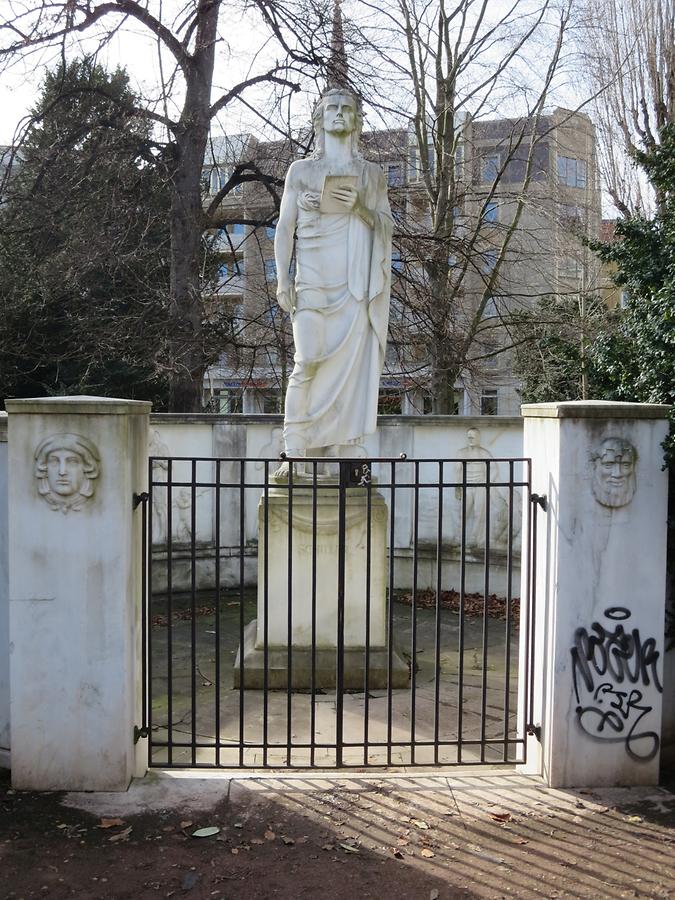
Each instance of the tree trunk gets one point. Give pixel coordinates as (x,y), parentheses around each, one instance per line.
(188,361)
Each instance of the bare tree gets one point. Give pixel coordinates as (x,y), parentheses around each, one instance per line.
(628,54)
(188,43)
(455,68)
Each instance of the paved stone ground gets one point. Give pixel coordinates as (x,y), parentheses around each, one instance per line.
(384,836)
(436,706)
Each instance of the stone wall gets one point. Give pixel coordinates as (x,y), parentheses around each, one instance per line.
(258,437)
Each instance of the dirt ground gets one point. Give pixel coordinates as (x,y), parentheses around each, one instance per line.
(383,836)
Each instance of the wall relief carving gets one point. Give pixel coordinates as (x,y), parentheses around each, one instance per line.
(614,479)
(66,469)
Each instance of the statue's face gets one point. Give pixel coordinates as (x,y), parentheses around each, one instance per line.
(339,114)
(65,472)
(614,474)
(473,437)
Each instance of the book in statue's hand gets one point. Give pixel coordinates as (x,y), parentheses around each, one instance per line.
(332,183)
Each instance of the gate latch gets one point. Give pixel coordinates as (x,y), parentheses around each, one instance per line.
(540,500)
(355,474)
(140,733)
(141,498)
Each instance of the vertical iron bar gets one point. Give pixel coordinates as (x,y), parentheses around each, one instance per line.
(169,609)
(390,607)
(437,623)
(509,602)
(148,563)
(340,673)
(242,672)
(289,597)
(413,640)
(532,602)
(217,622)
(193,606)
(312,711)
(462,590)
(266,590)
(369,540)
(144,608)
(486,595)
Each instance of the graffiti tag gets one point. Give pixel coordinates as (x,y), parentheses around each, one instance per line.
(607,662)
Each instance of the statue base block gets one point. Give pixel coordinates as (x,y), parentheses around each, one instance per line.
(298,588)
(325,667)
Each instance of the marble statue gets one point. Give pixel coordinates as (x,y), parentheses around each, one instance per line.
(336,203)
(66,467)
(614,480)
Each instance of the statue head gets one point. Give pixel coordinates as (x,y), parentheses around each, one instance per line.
(473,437)
(614,481)
(338,111)
(66,466)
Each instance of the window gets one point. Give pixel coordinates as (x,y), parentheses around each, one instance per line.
(395,174)
(267,400)
(572,172)
(570,267)
(224,272)
(489,403)
(217,180)
(396,261)
(489,167)
(571,212)
(270,270)
(490,308)
(489,261)
(491,212)
(270,231)
(238,229)
(240,266)
(389,402)
(228,400)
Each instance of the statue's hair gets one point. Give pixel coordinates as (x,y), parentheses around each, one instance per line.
(76,443)
(317,120)
(617,444)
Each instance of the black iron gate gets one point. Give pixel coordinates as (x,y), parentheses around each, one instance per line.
(368,613)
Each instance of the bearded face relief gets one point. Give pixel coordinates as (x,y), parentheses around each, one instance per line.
(614,481)
(66,469)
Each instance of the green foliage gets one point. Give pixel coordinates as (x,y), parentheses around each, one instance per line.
(552,347)
(637,362)
(84,246)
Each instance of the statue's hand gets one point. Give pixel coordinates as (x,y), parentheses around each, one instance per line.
(347,197)
(286,297)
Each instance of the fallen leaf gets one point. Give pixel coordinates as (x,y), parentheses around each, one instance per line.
(270,836)
(397,853)
(501,817)
(110,823)
(328,847)
(521,841)
(122,836)
(238,824)
(257,841)
(635,819)
(287,840)
(428,854)
(349,848)
(302,840)
(433,894)
(185,824)
(234,851)
(419,823)
(206,832)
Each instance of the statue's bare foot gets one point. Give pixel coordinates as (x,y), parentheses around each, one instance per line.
(281,474)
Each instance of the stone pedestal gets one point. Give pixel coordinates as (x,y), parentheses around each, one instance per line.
(75,591)
(600,591)
(298,572)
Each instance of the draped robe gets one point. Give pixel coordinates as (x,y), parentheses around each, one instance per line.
(343,272)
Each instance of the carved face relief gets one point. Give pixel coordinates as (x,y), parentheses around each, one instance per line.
(614,480)
(339,114)
(66,466)
(473,437)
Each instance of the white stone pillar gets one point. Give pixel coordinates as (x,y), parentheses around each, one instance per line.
(75,590)
(4,598)
(600,591)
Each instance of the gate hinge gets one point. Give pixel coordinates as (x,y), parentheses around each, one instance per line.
(141,498)
(534,731)
(140,733)
(541,500)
